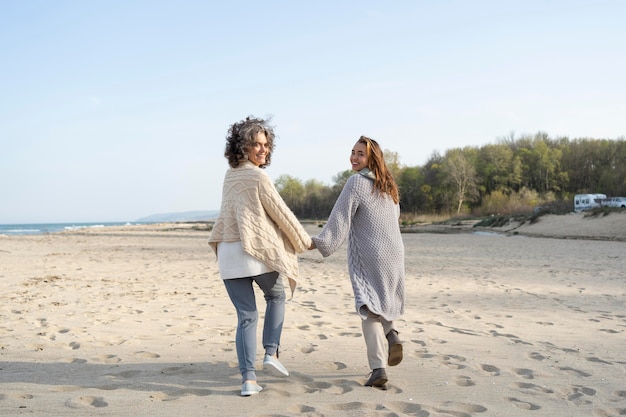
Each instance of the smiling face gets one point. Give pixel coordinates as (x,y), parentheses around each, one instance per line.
(358,157)
(259,150)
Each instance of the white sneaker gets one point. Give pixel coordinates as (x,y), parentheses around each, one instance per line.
(274,366)
(250,388)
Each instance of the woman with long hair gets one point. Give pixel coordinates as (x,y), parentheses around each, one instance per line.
(367,214)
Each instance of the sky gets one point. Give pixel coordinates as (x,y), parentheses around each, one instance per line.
(115,110)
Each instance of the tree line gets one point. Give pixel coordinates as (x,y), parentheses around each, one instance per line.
(512,175)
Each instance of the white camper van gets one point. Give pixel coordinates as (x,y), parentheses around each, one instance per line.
(619,202)
(588,201)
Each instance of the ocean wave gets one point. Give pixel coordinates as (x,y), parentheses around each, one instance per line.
(42,228)
(19,231)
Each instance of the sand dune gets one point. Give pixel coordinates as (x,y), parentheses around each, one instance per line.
(135,321)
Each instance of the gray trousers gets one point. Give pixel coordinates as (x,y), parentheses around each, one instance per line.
(375,329)
(241,293)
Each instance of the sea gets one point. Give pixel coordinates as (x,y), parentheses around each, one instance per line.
(43,228)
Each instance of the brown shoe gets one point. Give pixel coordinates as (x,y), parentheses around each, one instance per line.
(378,378)
(395,348)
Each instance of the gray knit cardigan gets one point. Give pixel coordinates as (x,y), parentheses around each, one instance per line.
(369,220)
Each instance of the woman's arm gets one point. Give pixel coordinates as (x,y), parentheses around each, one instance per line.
(337,227)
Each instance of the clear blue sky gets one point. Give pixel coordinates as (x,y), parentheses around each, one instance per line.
(114,110)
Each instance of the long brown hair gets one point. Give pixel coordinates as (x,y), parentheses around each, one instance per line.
(384,182)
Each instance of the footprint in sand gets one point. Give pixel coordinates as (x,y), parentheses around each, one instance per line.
(405,408)
(507,335)
(533,387)
(311,305)
(524,373)
(460,408)
(425,355)
(82,402)
(335,366)
(186,392)
(562,349)
(598,360)
(573,371)
(146,355)
(577,394)
(336,387)
(342,386)
(308,349)
(464,381)
(620,394)
(107,359)
(302,409)
(356,406)
(274,391)
(465,332)
(524,405)
(490,369)
(350,334)
(599,412)
(451,361)
(322,324)
(177,370)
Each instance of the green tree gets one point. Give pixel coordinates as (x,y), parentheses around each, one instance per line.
(411,185)
(341,178)
(434,185)
(495,166)
(319,200)
(292,191)
(392,160)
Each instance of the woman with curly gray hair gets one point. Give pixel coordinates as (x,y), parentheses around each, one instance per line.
(256,238)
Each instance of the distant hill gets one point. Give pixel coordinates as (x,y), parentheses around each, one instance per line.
(185,216)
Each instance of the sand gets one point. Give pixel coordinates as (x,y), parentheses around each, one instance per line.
(135,321)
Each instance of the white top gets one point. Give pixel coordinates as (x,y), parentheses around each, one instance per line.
(235,263)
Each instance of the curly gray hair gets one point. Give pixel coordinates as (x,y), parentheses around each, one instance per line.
(242,135)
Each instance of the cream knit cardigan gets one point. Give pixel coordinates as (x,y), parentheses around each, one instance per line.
(253,212)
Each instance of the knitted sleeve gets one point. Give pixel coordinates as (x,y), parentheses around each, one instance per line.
(337,227)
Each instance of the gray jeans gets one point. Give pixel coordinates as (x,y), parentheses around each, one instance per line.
(241,293)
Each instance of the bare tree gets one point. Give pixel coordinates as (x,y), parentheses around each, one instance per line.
(460,174)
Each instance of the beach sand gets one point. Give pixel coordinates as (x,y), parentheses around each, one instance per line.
(135,321)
